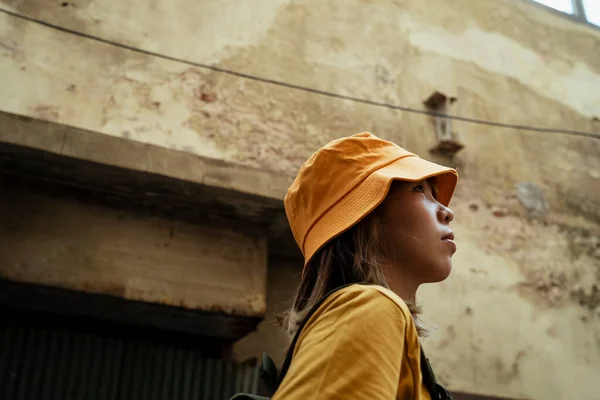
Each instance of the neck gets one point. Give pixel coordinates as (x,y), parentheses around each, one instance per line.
(401,284)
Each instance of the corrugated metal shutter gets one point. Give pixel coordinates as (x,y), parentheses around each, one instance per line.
(44,364)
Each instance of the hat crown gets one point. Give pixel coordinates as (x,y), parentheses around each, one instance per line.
(331,173)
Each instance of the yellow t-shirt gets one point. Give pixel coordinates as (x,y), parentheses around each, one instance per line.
(361,343)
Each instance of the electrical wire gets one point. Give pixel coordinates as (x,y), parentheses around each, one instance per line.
(300,87)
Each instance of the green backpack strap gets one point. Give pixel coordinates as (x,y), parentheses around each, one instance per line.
(268,373)
(436,390)
(245,396)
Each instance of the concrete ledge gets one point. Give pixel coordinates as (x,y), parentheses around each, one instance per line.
(113,151)
(143,175)
(26,297)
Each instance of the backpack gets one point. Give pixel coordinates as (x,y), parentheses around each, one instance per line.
(272,379)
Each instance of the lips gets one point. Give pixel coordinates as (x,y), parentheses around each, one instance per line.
(449,236)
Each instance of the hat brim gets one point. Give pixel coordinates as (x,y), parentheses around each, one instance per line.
(371,192)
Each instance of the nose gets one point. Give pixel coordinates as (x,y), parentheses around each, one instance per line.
(446,214)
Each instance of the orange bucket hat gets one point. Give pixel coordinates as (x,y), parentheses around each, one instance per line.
(348,178)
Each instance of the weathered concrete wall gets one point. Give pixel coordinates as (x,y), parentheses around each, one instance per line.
(282,282)
(524,293)
(519,316)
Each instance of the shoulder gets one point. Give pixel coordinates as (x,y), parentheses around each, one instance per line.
(367,298)
(353,346)
(358,308)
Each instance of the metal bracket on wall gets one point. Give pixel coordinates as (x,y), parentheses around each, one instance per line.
(448,143)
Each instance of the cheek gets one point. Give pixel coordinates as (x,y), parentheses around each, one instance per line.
(403,229)
(410,226)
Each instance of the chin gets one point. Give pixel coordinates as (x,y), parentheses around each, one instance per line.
(440,272)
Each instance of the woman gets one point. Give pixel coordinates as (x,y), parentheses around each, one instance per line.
(372,219)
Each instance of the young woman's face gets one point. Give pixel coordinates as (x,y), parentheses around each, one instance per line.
(416,229)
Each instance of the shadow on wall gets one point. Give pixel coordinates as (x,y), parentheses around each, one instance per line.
(283,280)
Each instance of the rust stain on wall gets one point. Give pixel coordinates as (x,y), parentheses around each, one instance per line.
(560,264)
(46,112)
(507,373)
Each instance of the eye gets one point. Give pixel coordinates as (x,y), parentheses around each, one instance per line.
(419,188)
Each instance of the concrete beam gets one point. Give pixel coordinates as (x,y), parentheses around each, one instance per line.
(179,184)
(120,256)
